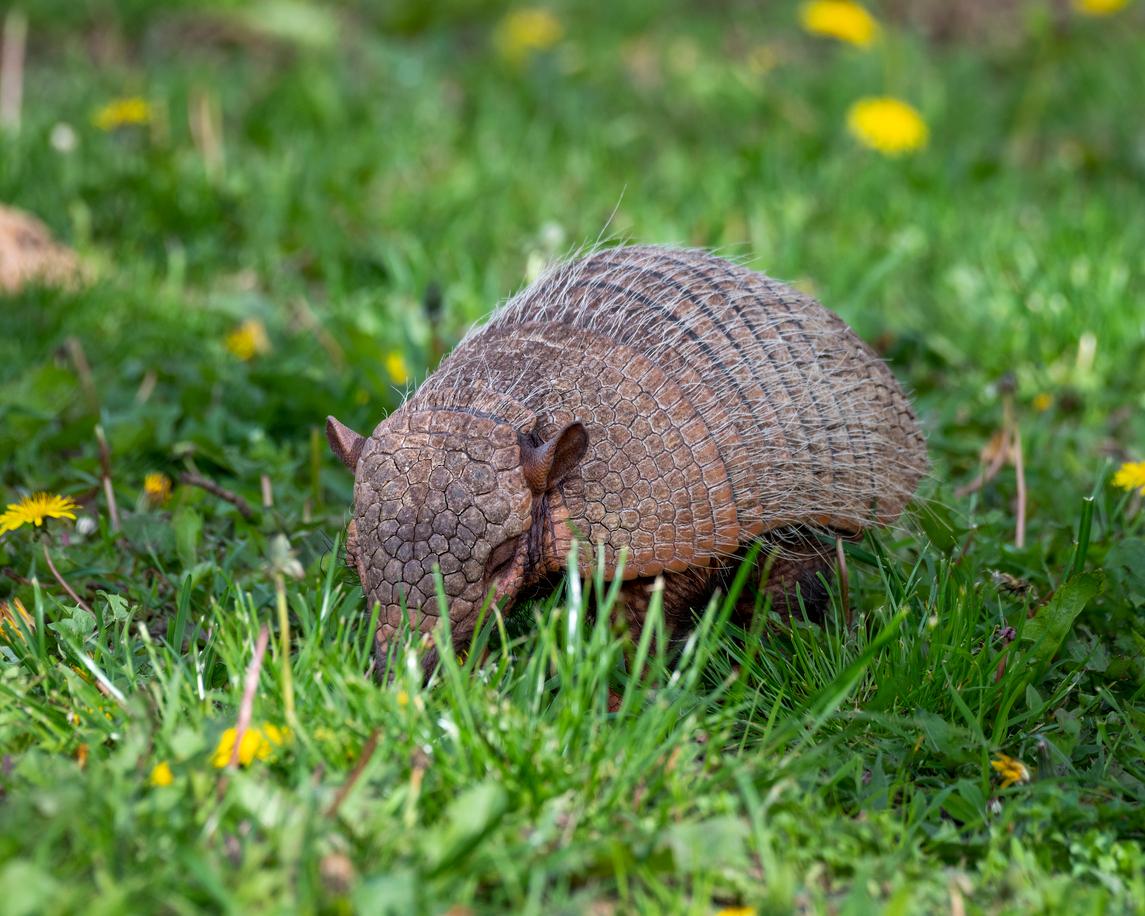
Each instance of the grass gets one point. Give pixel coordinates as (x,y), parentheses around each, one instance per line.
(370,165)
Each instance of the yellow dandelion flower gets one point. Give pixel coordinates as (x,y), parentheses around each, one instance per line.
(1043,401)
(157,488)
(121,113)
(1131,476)
(840,19)
(32,510)
(736,911)
(258,742)
(248,340)
(161,775)
(1011,769)
(12,615)
(522,33)
(1099,7)
(397,367)
(403,698)
(888,125)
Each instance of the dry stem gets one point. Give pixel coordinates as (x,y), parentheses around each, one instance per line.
(207,130)
(83,369)
(12,69)
(63,582)
(198,480)
(368,749)
(284,639)
(250,687)
(1020,472)
(1005,446)
(105,473)
(844,581)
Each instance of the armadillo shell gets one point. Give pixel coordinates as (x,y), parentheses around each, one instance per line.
(720,404)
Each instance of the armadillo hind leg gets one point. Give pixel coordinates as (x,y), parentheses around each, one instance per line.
(685,594)
(794,580)
(792,570)
(795,585)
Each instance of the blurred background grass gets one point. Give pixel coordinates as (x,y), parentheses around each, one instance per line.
(324,167)
(348,186)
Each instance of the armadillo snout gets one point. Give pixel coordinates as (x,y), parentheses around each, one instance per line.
(439,489)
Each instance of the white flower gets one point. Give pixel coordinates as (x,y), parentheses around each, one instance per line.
(63,138)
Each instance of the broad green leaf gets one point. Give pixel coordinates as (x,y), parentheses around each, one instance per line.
(26,889)
(966,803)
(712,845)
(394,892)
(937,520)
(79,624)
(1125,563)
(291,21)
(188,526)
(1048,630)
(955,743)
(466,820)
(117,608)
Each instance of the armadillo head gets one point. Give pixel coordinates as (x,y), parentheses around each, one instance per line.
(450,490)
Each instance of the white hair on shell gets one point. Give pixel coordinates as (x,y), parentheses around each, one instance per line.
(811,425)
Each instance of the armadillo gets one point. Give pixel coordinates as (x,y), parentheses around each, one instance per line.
(663,407)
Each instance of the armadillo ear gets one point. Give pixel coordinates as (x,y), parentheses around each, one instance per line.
(344,442)
(546,464)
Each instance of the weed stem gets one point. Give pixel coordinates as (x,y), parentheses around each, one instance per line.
(63,582)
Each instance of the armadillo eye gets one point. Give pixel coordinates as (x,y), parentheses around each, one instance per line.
(500,558)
